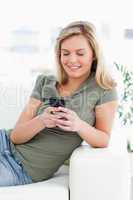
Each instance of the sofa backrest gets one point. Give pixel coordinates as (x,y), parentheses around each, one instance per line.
(13,96)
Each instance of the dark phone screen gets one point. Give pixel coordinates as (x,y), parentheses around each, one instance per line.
(56,102)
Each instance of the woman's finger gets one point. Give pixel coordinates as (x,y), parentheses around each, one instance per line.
(64,109)
(63,122)
(66,128)
(61,114)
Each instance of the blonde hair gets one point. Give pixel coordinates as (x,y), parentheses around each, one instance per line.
(86,29)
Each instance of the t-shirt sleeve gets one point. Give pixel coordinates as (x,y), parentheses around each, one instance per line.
(108,95)
(37,90)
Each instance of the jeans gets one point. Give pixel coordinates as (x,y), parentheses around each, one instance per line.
(11,170)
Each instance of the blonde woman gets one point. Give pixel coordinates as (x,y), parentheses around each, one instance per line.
(62,112)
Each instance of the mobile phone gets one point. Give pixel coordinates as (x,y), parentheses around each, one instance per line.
(56,102)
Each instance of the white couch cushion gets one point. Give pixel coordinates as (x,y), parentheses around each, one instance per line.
(55,188)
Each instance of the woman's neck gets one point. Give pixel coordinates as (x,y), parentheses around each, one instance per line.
(70,87)
(75,83)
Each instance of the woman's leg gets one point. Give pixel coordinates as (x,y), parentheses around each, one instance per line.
(11,170)
(7,177)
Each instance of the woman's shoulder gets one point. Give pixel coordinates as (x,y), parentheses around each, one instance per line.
(107,95)
(101,89)
(45,79)
(43,83)
(103,95)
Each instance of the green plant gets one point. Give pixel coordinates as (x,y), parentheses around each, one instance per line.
(125,108)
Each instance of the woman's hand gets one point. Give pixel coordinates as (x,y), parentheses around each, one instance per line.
(68,120)
(48,117)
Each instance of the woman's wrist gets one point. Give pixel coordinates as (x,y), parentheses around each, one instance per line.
(41,118)
(80,126)
(83,127)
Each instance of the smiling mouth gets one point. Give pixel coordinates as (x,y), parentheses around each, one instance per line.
(74,67)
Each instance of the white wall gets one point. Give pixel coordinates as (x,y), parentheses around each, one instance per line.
(44,18)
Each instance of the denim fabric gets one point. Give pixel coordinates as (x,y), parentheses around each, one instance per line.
(11,170)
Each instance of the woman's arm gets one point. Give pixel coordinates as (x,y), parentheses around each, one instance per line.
(99,135)
(28,124)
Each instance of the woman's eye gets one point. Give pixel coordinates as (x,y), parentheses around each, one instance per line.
(65,54)
(80,54)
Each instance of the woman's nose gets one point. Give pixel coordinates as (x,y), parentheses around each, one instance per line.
(72,58)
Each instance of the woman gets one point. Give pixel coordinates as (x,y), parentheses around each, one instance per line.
(61,113)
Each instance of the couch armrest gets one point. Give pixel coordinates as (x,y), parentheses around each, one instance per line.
(99,174)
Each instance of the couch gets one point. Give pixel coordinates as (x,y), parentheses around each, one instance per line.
(93,174)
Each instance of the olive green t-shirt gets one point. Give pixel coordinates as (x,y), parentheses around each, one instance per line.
(47,151)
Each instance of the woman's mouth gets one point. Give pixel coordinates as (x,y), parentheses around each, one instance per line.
(74,66)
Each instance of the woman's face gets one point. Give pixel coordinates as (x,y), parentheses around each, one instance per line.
(76,57)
